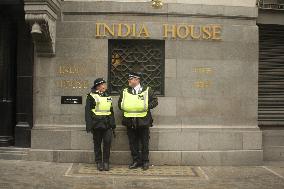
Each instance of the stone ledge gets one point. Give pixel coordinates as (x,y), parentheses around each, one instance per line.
(62,127)
(161,139)
(244,3)
(231,157)
(172,9)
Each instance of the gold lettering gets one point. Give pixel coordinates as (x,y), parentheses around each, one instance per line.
(72,84)
(206,32)
(98,29)
(169,30)
(72,69)
(85,84)
(216,32)
(120,30)
(182,31)
(133,30)
(60,71)
(110,31)
(185,33)
(143,31)
(193,33)
(205,70)
(202,84)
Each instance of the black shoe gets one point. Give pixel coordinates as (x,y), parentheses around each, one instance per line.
(134,165)
(106,166)
(145,166)
(100,167)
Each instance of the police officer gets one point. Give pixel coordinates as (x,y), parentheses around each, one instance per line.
(100,121)
(136,101)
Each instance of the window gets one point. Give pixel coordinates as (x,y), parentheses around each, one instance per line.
(146,56)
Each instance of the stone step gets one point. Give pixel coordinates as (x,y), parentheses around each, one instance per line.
(13,153)
(193,158)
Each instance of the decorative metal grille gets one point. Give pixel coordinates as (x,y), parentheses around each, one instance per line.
(146,56)
(271,4)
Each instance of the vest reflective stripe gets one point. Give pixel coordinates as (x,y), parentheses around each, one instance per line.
(135,105)
(103,104)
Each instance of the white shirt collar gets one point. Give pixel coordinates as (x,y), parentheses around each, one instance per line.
(137,88)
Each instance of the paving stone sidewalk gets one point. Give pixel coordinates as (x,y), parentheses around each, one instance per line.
(19,174)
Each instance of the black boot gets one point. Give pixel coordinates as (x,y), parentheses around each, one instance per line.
(145,166)
(106,166)
(100,166)
(134,165)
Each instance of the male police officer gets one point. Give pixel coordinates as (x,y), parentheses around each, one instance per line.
(100,121)
(136,101)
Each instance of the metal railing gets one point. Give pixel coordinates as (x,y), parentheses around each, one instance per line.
(271,4)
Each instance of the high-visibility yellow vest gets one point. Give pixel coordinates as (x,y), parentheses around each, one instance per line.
(103,104)
(135,105)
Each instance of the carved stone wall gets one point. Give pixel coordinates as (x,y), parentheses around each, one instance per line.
(42,16)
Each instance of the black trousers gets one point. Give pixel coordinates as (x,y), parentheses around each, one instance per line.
(137,136)
(102,136)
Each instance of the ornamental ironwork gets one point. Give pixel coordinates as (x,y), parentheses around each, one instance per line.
(271,4)
(145,56)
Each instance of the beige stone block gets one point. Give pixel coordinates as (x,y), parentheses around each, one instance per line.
(166,107)
(167,121)
(168,141)
(170,68)
(41,155)
(120,142)
(171,50)
(244,157)
(234,157)
(75,156)
(120,157)
(81,47)
(273,153)
(189,140)
(50,139)
(165,157)
(68,119)
(42,119)
(252,140)
(273,137)
(43,67)
(172,87)
(42,86)
(220,141)
(76,29)
(200,158)
(81,140)
(41,105)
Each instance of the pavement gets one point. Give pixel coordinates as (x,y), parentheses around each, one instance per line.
(18,174)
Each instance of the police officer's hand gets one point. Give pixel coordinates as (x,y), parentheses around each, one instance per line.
(113,132)
(88,130)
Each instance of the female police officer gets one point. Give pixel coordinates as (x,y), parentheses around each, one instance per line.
(100,121)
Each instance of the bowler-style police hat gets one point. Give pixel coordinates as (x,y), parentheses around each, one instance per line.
(134,75)
(98,81)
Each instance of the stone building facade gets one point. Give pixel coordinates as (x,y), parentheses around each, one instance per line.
(204,56)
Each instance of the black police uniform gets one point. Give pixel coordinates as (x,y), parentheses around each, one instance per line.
(102,127)
(138,130)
